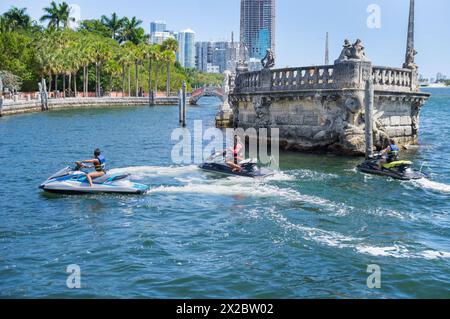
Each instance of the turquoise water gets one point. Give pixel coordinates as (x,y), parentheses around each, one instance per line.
(309,232)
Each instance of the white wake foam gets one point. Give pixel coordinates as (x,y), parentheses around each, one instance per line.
(140,172)
(435,186)
(237,186)
(337,240)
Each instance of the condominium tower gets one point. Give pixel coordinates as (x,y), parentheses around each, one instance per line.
(258,26)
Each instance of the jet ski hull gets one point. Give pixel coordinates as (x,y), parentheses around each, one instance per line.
(224,169)
(74,189)
(68,181)
(406,174)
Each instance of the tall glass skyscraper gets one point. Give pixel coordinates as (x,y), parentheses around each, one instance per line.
(186,48)
(158,26)
(258,26)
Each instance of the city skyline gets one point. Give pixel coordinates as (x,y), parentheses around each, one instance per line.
(300,37)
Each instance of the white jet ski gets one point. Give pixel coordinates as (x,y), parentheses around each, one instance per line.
(74,181)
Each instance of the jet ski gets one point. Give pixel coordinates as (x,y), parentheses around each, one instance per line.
(217,164)
(401,170)
(74,181)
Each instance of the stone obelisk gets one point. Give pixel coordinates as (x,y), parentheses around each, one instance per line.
(327,51)
(410,50)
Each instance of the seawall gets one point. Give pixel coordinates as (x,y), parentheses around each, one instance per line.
(10,107)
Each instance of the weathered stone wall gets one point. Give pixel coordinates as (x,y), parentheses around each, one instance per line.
(322,107)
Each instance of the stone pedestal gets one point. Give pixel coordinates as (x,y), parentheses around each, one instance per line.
(351,74)
(266,79)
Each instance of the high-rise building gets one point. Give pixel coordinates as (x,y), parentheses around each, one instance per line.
(160,37)
(258,26)
(186,48)
(203,55)
(220,54)
(158,26)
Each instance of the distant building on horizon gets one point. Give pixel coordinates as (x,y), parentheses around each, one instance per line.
(159,32)
(158,26)
(186,48)
(440,77)
(160,37)
(258,27)
(216,56)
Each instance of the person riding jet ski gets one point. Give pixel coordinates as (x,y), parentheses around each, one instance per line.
(99,164)
(218,163)
(389,154)
(237,153)
(387,163)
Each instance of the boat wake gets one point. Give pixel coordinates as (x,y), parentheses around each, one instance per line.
(430,185)
(337,240)
(141,172)
(249,188)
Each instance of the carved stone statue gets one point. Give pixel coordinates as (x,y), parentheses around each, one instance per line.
(410,64)
(269,60)
(345,51)
(357,50)
(262,111)
(353,51)
(226,91)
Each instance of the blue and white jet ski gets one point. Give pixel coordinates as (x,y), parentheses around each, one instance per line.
(74,181)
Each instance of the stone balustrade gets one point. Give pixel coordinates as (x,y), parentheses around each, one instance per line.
(322,78)
(302,78)
(388,79)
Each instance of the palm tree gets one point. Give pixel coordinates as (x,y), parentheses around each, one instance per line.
(86,58)
(57,14)
(150,54)
(102,52)
(114,24)
(157,59)
(169,46)
(168,57)
(132,31)
(16,18)
(138,57)
(124,59)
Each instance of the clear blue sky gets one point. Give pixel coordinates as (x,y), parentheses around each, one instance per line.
(301,25)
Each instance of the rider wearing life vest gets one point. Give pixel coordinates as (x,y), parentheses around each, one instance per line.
(236,150)
(390,154)
(99,164)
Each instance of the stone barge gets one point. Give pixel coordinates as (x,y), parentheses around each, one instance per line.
(323,107)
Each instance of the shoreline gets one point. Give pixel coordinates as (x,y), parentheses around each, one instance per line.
(33,106)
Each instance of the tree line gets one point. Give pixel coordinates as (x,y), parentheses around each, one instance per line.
(102,55)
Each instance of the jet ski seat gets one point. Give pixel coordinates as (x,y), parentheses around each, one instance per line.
(396,164)
(110,178)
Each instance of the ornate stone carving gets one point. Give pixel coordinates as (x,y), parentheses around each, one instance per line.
(353,51)
(409,63)
(262,111)
(268,61)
